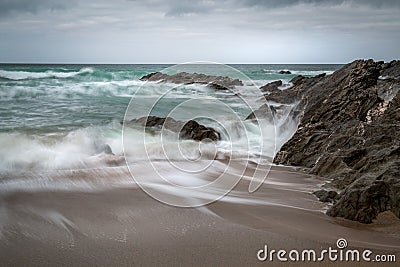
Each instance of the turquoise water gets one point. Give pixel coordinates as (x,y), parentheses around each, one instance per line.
(59,97)
(55,116)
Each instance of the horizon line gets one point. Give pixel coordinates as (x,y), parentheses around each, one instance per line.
(162,63)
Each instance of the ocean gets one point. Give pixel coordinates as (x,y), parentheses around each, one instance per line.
(63,116)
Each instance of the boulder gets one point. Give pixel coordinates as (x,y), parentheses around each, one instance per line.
(284,72)
(186,130)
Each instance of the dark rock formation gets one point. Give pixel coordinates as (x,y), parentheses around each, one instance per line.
(284,72)
(350,132)
(264,112)
(187,130)
(320,75)
(108,150)
(216,82)
(326,196)
(293,94)
(271,87)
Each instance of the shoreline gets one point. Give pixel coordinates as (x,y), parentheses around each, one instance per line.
(124,225)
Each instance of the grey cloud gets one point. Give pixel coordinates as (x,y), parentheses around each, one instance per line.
(286,3)
(177,8)
(127,31)
(10,7)
(185,8)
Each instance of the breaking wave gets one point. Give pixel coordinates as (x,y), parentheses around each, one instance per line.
(26,75)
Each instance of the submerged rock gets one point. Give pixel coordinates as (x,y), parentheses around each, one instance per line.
(215,82)
(284,72)
(187,130)
(349,132)
(108,150)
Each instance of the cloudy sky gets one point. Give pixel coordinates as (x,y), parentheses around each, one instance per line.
(175,31)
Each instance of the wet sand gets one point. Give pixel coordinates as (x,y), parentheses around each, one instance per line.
(118,224)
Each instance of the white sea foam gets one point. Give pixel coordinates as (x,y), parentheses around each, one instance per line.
(124,88)
(87,147)
(312,72)
(51,94)
(300,72)
(23,75)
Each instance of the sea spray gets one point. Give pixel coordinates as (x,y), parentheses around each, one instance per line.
(65,118)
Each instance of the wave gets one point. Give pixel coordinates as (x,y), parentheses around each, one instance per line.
(300,72)
(76,149)
(70,90)
(312,72)
(100,146)
(26,75)
(121,88)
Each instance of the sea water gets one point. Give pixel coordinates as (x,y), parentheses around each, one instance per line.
(62,117)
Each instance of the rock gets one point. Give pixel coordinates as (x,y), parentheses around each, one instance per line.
(298,79)
(326,196)
(284,72)
(388,88)
(108,150)
(217,86)
(391,70)
(363,203)
(293,94)
(270,87)
(264,112)
(320,75)
(103,148)
(155,76)
(216,82)
(273,114)
(187,130)
(349,133)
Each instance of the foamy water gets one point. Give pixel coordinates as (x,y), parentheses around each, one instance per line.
(67,117)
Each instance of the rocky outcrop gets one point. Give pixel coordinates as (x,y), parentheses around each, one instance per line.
(349,132)
(285,72)
(186,130)
(215,82)
(271,87)
(291,95)
(326,196)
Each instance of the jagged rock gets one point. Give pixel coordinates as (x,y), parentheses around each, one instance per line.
(270,87)
(293,94)
(284,72)
(371,194)
(391,70)
(320,75)
(349,132)
(187,130)
(298,79)
(217,86)
(326,196)
(216,82)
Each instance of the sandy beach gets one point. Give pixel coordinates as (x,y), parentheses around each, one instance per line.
(121,224)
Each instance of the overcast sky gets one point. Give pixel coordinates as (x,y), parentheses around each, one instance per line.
(175,31)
